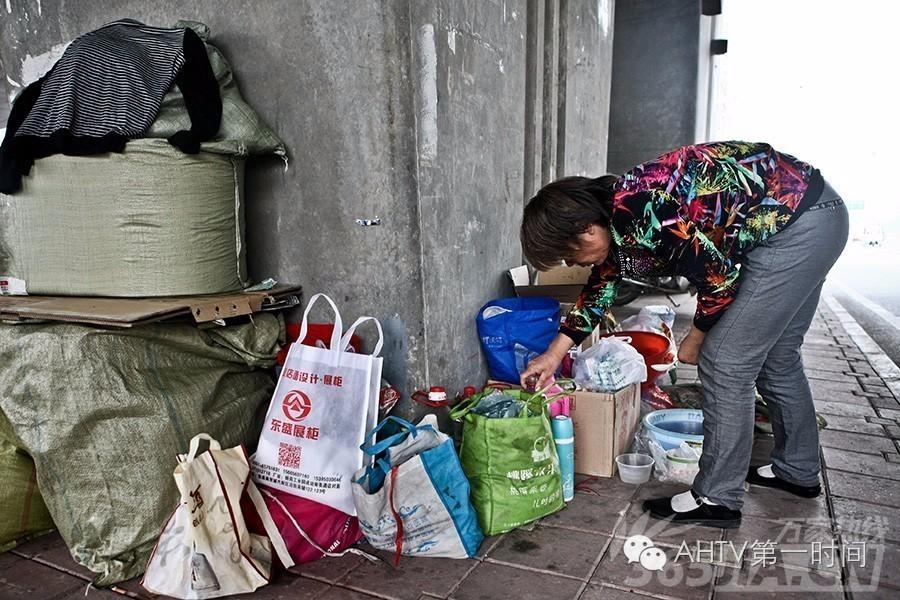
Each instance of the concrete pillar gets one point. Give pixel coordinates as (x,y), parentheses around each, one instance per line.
(656,79)
(585,101)
(470,138)
(426,113)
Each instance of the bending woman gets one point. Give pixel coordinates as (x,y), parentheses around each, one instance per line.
(756,231)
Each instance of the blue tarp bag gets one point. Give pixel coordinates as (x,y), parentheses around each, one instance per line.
(515,330)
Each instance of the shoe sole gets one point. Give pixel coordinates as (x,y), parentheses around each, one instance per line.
(775,486)
(730,524)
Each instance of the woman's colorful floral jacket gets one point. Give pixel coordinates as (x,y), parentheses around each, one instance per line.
(695,212)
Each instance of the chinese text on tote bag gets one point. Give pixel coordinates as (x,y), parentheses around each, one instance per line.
(325,402)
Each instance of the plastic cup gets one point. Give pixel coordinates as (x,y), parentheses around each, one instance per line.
(634,468)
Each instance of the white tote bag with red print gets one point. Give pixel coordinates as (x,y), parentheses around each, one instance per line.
(325,402)
(205,550)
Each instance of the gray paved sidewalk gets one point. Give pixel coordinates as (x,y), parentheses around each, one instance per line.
(578,553)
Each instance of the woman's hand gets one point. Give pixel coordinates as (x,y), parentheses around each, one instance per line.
(546,364)
(689,349)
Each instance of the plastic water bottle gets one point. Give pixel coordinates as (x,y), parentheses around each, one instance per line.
(564,438)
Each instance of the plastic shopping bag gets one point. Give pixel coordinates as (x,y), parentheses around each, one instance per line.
(206,550)
(511,463)
(676,465)
(657,318)
(325,402)
(608,366)
(415,499)
(515,330)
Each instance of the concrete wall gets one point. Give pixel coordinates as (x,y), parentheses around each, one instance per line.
(655,79)
(587,73)
(420,112)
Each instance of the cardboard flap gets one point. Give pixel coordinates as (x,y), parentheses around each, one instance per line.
(210,310)
(564,276)
(560,293)
(563,284)
(519,275)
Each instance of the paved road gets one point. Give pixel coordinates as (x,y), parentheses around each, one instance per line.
(866,281)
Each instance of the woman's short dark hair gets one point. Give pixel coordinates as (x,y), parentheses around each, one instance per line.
(559,212)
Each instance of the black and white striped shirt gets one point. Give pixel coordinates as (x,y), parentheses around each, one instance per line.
(107,88)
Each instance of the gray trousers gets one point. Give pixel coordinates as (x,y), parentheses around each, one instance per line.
(756,344)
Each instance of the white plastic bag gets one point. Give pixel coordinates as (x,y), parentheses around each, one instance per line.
(205,550)
(325,402)
(608,366)
(679,465)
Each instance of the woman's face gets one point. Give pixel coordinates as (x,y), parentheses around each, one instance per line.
(592,247)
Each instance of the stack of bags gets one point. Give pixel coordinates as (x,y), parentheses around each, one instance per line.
(158,214)
(132,196)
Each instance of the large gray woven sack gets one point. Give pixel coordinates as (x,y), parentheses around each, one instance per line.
(104,412)
(151,221)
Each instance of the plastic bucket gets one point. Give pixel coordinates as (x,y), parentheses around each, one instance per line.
(672,426)
(634,468)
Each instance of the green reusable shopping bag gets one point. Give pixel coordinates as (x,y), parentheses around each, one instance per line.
(511,463)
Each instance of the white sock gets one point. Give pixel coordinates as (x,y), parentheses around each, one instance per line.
(766,471)
(685,502)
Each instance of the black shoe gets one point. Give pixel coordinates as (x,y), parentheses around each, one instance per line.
(804,491)
(707,515)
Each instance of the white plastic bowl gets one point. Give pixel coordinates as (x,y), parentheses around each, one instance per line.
(634,468)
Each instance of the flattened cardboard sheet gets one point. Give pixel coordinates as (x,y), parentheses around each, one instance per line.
(129,312)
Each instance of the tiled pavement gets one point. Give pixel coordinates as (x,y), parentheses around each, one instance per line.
(578,553)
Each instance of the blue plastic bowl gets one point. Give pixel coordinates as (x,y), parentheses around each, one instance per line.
(672,426)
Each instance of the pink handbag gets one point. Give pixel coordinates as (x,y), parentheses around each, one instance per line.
(310,530)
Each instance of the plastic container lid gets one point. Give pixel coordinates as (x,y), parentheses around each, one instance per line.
(562,428)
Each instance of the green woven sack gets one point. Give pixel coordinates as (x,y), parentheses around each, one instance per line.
(148,221)
(103,412)
(242,131)
(22,510)
(511,463)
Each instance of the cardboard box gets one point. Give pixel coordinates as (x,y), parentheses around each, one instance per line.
(563,284)
(605,425)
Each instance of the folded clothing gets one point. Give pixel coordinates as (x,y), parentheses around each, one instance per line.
(105,89)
